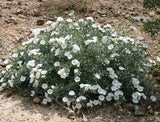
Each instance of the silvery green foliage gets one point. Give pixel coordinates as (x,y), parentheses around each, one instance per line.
(80,62)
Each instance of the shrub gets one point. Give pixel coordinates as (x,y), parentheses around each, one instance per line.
(151,4)
(152,27)
(80,63)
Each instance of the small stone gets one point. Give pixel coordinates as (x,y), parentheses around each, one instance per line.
(36,100)
(19,3)
(37,13)
(129,107)
(19,11)
(152,14)
(140,112)
(140,38)
(40,22)
(84,120)
(71,114)
(9,93)
(156,113)
(151,111)
(158,11)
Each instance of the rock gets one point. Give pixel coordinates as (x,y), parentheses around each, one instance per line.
(37,13)
(40,22)
(39,0)
(19,11)
(19,3)
(152,14)
(156,113)
(71,114)
(36,100)
(129,107)
(158,11)
(2,64)
(127,16)
(84,120)
(9,93)
(140,112)
(0,15)
(140,38)
(151,111)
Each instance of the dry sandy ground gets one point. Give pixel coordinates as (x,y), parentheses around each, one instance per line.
(17,19)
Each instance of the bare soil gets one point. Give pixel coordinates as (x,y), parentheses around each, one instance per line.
(19,17)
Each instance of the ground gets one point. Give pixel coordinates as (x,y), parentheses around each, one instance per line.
(19,17)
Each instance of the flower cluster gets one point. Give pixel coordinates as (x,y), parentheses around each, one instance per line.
(80,62)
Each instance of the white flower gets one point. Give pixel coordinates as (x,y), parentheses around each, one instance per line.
(78,106)
(153,98)
(72,93)
(107,26)
(76,71)
(59,19)
(140,88)
(90,18)
(114,88)
(135,81)
(75,48)
(15,55)
(77,79)
(37,31)
(42,42)
(50,91)
(116,97)
(81,20)
(108,98)
(75,62)
(97,76)
(38,75)
(49,22)
(6,62)
(110,47)
(57,64)
(64,45)
(95,102)
(114,55)
(95,26)
(121,68)
(52,40)
(44,101)
(134,100)
(82,85)
(32,93)
(135,95)
(44,86)
(106,61)
(43,72)
(62,73)
(69,20)
(64,99)
(4,84)
(128,51)
(31,64)
(22,53)
(101,97)
(104,39)
(23,78)
(8,67)
(57,52)
(158,59)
